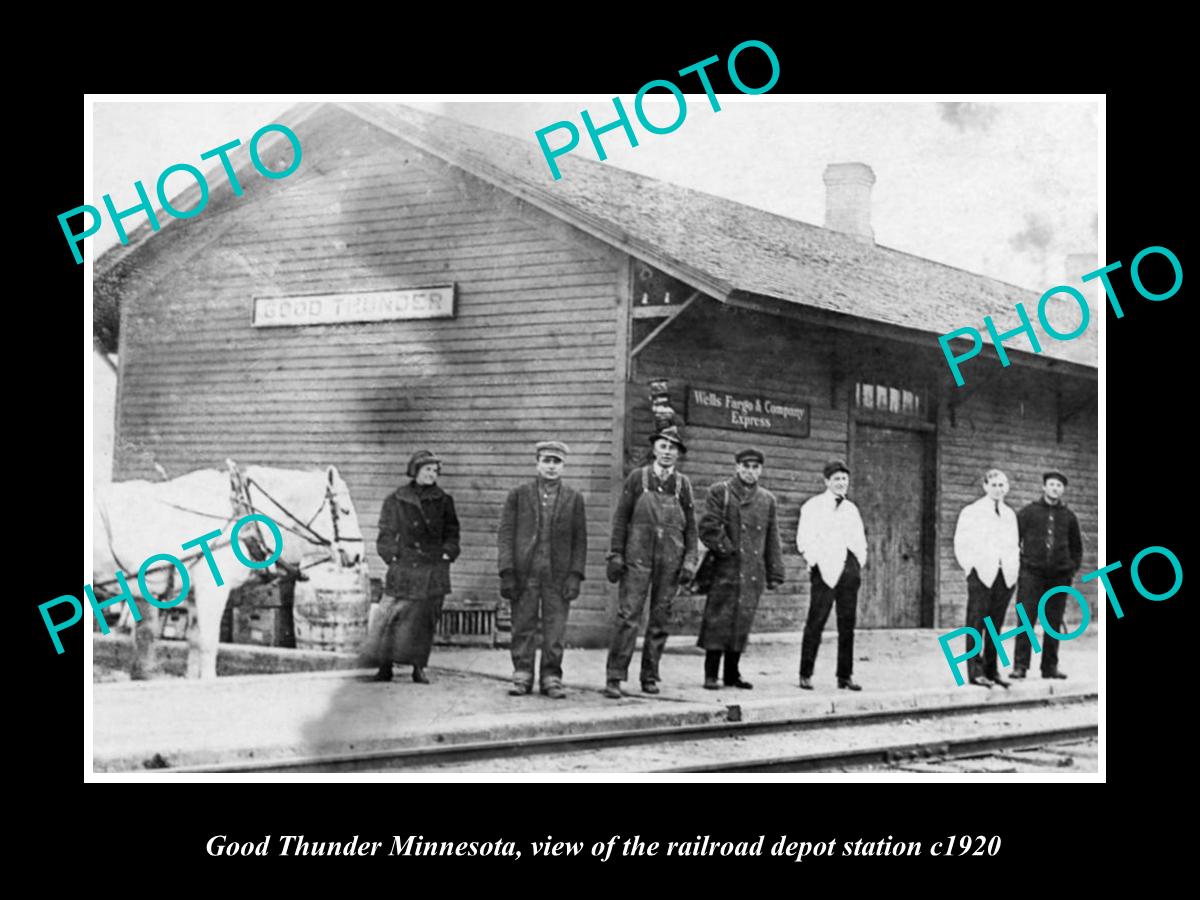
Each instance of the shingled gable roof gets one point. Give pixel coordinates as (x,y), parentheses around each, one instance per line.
(718,245)
(724,247)
(220,193)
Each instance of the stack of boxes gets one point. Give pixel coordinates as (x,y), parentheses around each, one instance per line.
(262,613)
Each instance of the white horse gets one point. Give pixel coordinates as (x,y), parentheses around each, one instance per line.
(134,520)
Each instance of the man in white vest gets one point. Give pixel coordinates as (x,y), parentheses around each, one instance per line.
(834,543)
(987,546)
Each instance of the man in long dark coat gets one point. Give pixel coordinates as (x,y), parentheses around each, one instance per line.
(418,539)
(542,545)
(739,526)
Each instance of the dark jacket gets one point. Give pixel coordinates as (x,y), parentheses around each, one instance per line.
(413,537)
(1050,540)
(628,500)
(518,534)
(742,529)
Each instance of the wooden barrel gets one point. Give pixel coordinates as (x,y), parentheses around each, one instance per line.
(331,608)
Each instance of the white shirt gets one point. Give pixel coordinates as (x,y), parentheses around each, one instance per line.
(988,543)
(827,530)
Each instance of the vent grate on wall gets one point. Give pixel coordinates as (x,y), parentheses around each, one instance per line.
(467,622)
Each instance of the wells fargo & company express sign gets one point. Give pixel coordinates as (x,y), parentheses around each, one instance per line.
(741,411)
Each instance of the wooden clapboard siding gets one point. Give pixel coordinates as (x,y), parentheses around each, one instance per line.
(528,356)
(1012,424)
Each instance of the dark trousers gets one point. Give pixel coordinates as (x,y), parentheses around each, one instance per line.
(540,597)
(658,584)
(712,663)
(1030,587)
(845,595)
(983,601)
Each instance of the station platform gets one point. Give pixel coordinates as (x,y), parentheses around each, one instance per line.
(178,722)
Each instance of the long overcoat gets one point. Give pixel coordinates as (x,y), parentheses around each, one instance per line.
(413,537)
(742,529)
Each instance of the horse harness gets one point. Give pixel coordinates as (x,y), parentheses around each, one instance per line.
(242,505)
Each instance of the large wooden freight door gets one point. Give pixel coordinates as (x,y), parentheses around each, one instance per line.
(889,483)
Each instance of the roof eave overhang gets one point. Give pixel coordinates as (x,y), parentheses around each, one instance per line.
(871,327)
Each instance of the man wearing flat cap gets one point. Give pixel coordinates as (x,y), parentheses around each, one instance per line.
(834,543)
(653,551)
(1051,554)
(740,528)
(542,546)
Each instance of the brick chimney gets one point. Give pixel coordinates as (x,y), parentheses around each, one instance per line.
(848,199)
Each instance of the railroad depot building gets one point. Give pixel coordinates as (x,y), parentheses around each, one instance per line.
(421,283)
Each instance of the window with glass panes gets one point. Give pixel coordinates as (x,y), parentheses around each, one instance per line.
(906,401)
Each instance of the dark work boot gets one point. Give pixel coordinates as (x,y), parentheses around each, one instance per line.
(384,673)
(733,678)
(419,675)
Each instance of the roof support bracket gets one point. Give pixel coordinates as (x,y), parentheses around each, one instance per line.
(662,325)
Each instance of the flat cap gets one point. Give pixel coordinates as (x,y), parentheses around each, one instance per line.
(552,448)
(750,453)
(832,468)
(1046,476)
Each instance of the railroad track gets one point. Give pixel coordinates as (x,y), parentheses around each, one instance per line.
(659,749)
(1068,754)
(937,755)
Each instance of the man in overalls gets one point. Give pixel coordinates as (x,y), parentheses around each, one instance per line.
(653,551)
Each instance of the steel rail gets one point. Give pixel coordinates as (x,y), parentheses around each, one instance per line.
(934,751)
(399,759)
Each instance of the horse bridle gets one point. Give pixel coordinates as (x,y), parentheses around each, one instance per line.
(244,503)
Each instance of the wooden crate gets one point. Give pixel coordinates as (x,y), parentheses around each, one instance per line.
(173,623)
(267,626)
(256,594)
(261,613)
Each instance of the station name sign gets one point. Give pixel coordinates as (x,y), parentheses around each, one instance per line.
(371,306)
(768,414)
